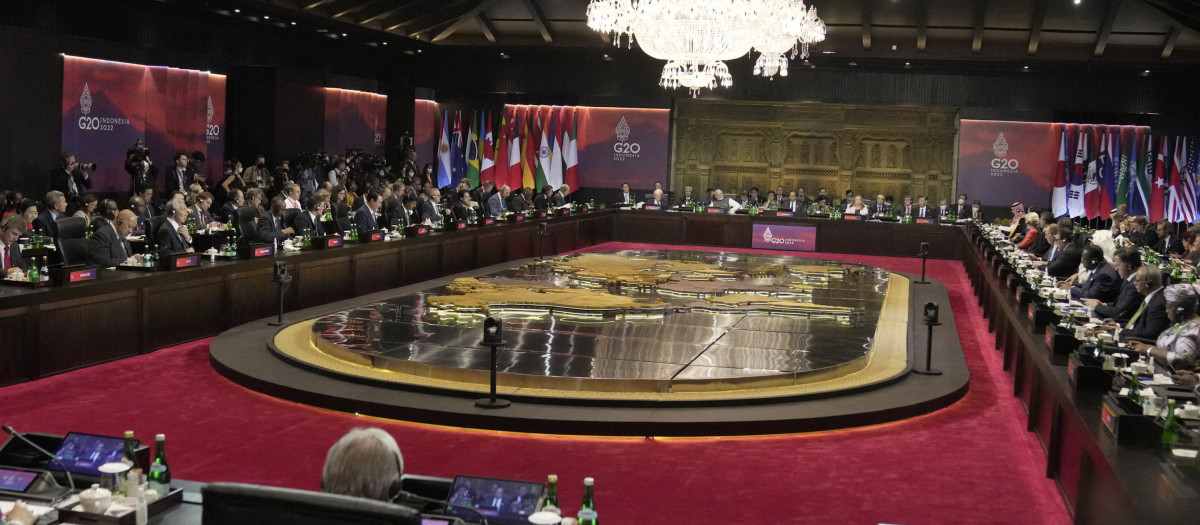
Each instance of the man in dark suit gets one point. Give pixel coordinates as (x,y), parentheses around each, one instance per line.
(408,214)
(659,199)
(229,210)
(1062,259)
(1150,318)
(495,501)
(880,208)
(142,212)
(976,211)
(310,219)
(56,208)
(71,179)
(1167,244)
(962,208)
(626,196)
(1126,261)
(484,192)
(544,200)
(521,200)
(906,209)
(462,207)
(108,246)
(365,216)
(391,207)
(922,210)
(172,237)
(271,228)
(204,219)
(1103,283)
(11,229)
(179,177)
(432,209)
(560,197)
(1143,235)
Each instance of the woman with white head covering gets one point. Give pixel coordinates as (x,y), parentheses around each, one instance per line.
(1179,344)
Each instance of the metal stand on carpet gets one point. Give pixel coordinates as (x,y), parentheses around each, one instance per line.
(542,232)
(281,276)
(492,338)
(931,320)
(924,258)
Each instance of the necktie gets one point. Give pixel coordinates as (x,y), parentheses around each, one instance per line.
(71,184)
(793,206)
(7,256)
(1053,252)
(1136,315)
(179,175)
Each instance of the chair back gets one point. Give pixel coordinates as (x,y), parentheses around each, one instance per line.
(71,242)
(242,504)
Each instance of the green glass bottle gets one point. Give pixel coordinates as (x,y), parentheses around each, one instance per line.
(160,474)
(1135,389)
(1170,435)
(33,272)
(587,510)
(550,504)
(129,457)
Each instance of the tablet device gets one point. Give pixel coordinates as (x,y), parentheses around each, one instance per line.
(84,453)
(500,501)
(16,481)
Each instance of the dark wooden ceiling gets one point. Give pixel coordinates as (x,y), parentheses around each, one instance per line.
(1127,31)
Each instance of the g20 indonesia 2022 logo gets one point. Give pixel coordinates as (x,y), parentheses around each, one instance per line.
(1001,164)
(212,132)
(622,148)
(89,122)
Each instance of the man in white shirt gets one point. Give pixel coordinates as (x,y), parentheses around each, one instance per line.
(291,199)
(719,200)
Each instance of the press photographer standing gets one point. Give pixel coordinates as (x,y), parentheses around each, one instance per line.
(71,178)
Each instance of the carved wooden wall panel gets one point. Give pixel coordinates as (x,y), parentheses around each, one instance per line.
(736,145)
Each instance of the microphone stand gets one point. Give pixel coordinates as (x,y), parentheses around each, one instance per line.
(53,458)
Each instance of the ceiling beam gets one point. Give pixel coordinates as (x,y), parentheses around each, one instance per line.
(922,24)
(380,15)
(980,16)
(1035,26)
(436,17)
(402,17)
(539,20)
(467,18)
(1169,43)
(1110,17)
(867,8)
(485,25)
(315,4)
(355,8)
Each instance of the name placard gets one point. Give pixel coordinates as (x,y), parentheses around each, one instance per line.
(77,276)
(715,210)
(784,214)
(925,220)
(852,217)
(180,262)
(652,207)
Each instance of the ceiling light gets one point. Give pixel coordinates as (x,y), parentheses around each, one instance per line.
(266,17)
(343,34)
(293,23)
(237,10)
(385,42)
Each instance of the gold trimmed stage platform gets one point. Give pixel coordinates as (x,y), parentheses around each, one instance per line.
(643,342)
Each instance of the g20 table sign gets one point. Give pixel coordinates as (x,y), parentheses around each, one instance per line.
(784,237)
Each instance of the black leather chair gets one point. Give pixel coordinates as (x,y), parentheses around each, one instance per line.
(343,224)
(289,216)
(71,242)
(241,504)
(428,486)
(245,225)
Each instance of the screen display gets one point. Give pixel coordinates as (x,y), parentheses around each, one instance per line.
(84,453)
(501,501)
(16,480)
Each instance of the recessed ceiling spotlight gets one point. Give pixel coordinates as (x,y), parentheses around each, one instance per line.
(1026,67)
(906,64)
(385,42)
(293,23)
(606,55)
(501,53)
(1077,2)
(343,34)
(420,50)
(237,10)
(266,17)
(1147,72)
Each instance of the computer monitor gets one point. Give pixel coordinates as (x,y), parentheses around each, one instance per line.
(501,501)
(84,453)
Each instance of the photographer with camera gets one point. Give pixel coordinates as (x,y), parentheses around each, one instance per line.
(71,178)
(138,165)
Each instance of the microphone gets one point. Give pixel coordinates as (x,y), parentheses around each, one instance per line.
(20,436)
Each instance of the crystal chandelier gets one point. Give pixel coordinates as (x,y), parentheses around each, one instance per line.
(696,37)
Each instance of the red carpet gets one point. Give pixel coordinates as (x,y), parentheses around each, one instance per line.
(970,463)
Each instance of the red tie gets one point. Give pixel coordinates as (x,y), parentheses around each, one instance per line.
(7,257)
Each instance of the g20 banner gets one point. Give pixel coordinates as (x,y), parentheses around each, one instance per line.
(784,237)
(1000,162)
(108,106)
(355,120)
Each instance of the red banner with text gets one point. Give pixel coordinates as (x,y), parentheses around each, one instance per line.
(355,120)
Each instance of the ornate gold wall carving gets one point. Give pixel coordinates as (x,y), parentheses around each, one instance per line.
(736,145)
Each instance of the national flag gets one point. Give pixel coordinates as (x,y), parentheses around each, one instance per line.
(444,164)
(571,154)
(501,153)
(1109,171)
(1192,167)
(555,174)
(1183,183)
(1158,176)
(458,163)
(472,153)
(1139,194)
(529,153)
(487,165)
(1091,177)
(515,179)
(1059,197)
(1116,145)
(1101,174)
(1075,184)
(543,153)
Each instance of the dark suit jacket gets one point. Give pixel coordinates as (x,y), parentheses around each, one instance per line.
(172,179)
(1065,262)
(107,248)
(901,211)
(1104,284)
(1169,245)
(874,208)
(304,222)
(391,211)
(462,212)
(1152,321)
(46,223)
(665,202)
(204,217)
(626,199)
(1127,302)
(1041,245)
(169,241)
(17,260)
(961,211)
(270,229)
(558,198)
(60,181)
(517,204)
(1146,239)
(541,202)
(930,211)
(365,219)
(427,212)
